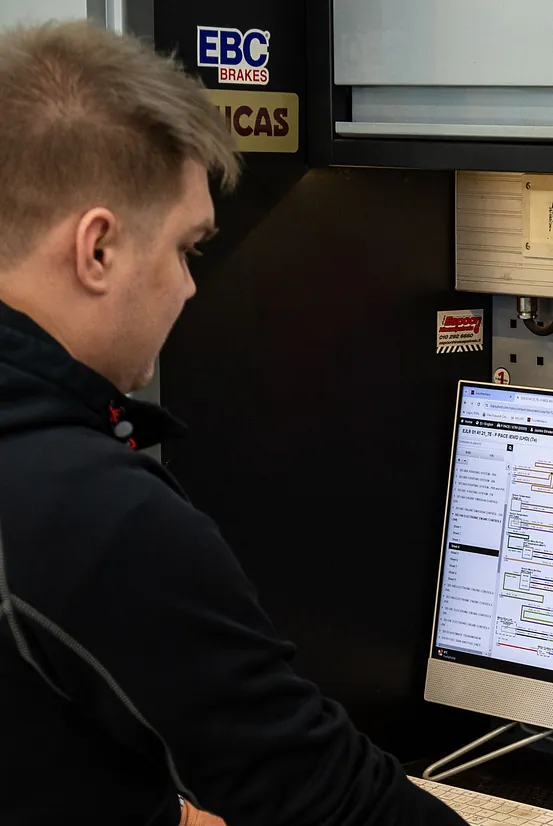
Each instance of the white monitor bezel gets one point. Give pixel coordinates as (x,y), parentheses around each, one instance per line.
(496,693)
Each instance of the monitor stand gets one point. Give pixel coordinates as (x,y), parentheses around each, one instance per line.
(429,773)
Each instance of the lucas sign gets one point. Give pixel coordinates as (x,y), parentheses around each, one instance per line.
(260,121)
(240,57)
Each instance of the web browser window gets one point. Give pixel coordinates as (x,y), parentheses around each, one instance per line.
(496,590)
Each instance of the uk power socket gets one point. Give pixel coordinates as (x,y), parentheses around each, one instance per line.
(524,358)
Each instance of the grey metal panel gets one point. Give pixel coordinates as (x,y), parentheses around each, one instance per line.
(116,13)
(528,359)
(140,18)
(37,11)
(452,105)
(445,43)
(440,130)
(96,10)
(450,112)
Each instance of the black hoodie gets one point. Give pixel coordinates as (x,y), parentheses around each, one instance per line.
(135,659)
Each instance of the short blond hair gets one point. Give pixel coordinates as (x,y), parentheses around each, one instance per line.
(89,116)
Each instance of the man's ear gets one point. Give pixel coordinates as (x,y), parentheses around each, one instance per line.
(94,252)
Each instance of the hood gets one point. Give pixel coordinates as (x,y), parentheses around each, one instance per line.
(41,385)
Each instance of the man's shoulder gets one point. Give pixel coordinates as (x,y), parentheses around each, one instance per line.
(76,501)
(77,462)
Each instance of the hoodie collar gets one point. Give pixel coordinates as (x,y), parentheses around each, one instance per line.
(32,352)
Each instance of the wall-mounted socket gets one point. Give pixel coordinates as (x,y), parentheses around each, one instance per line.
(527,358)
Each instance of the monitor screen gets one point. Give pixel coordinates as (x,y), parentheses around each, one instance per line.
(495,595)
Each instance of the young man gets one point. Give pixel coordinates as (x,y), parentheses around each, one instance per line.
(135,661)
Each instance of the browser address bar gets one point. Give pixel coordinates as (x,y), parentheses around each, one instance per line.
(514,410)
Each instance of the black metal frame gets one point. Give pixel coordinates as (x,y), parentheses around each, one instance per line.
(328,103)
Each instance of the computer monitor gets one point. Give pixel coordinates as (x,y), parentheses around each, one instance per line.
(492,644)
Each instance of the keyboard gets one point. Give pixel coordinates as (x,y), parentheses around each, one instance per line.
(484,810)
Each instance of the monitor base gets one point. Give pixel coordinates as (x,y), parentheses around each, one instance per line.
(429,773)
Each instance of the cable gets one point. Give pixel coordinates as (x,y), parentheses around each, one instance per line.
(531,730)
(535,328)
(526,741)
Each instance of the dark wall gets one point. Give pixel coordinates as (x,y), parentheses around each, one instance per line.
(320,421)
(320,416)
